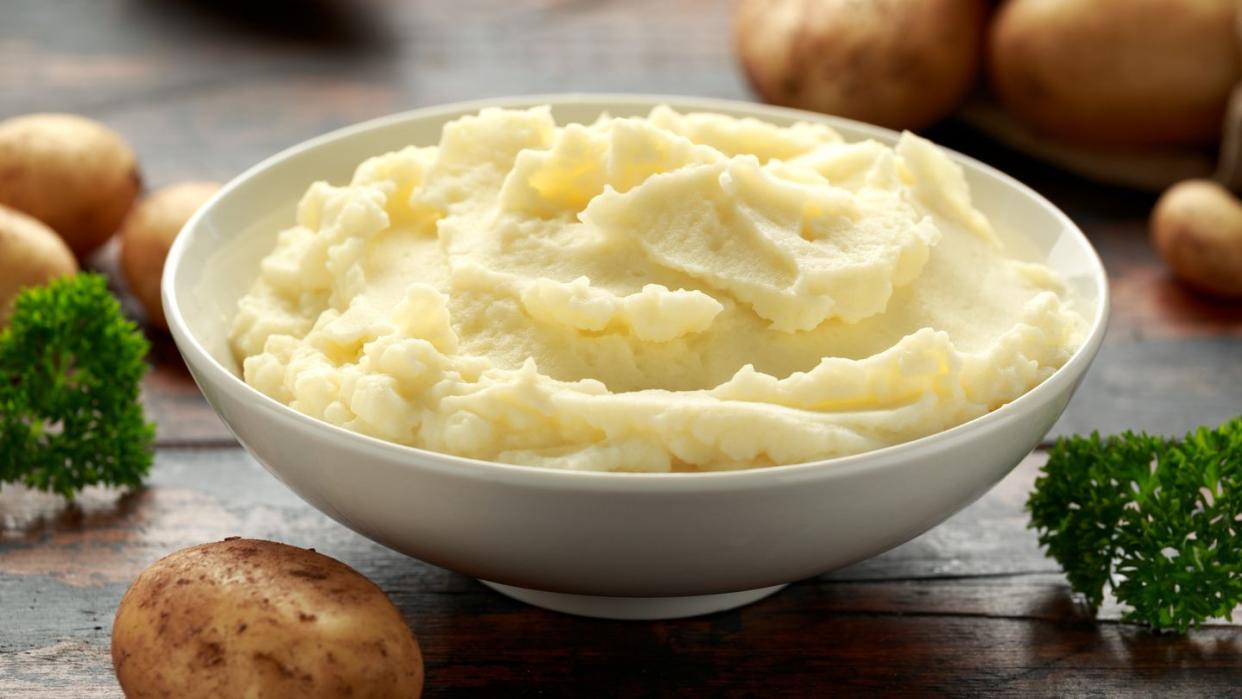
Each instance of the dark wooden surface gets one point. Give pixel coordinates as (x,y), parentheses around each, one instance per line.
(204,89)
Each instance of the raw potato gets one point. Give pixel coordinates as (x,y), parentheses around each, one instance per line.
(73,173)
(1197,227)
(30,255)
(242,617)
(897,63)
(1117,72)
(149,231)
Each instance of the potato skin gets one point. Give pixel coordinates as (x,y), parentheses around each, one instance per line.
(73,173)
(244,617)
(1117,72)
(1197,227)
(31,254)
(148,232)
(897,63)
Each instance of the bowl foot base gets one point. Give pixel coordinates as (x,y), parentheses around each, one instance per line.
(633,608)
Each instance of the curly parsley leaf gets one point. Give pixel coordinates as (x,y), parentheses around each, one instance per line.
(70,373)
(1156,520)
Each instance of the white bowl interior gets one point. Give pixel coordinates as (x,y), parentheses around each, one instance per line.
(220,260)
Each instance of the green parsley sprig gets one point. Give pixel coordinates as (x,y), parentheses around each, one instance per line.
(70,373)
(1157,520)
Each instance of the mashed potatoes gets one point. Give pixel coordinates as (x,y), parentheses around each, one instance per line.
(681,292)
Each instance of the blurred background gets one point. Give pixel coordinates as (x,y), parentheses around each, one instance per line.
(204,88)
(177,74)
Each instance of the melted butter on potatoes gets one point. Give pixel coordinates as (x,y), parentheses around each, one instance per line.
(247,618)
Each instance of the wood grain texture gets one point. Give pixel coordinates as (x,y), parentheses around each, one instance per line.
(971,606)
(204,89)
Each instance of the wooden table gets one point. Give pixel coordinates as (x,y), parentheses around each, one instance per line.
(971,607)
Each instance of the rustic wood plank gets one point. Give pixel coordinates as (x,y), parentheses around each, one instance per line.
(482,654)
(786,652)
(972,606)
(81,668)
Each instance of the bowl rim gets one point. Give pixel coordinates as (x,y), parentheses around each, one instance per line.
(892,456)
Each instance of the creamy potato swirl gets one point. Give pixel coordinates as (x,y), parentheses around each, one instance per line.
(680,292)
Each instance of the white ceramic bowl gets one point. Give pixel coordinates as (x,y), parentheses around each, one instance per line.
(603,544)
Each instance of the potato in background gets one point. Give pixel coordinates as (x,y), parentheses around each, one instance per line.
(1117,72)
(72,173)
(898,63)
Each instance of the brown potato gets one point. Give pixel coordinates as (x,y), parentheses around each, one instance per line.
(1117,72)
(30,255)
(1197,227)
(242,617)
(73,173)
(149,231)
(897,63)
